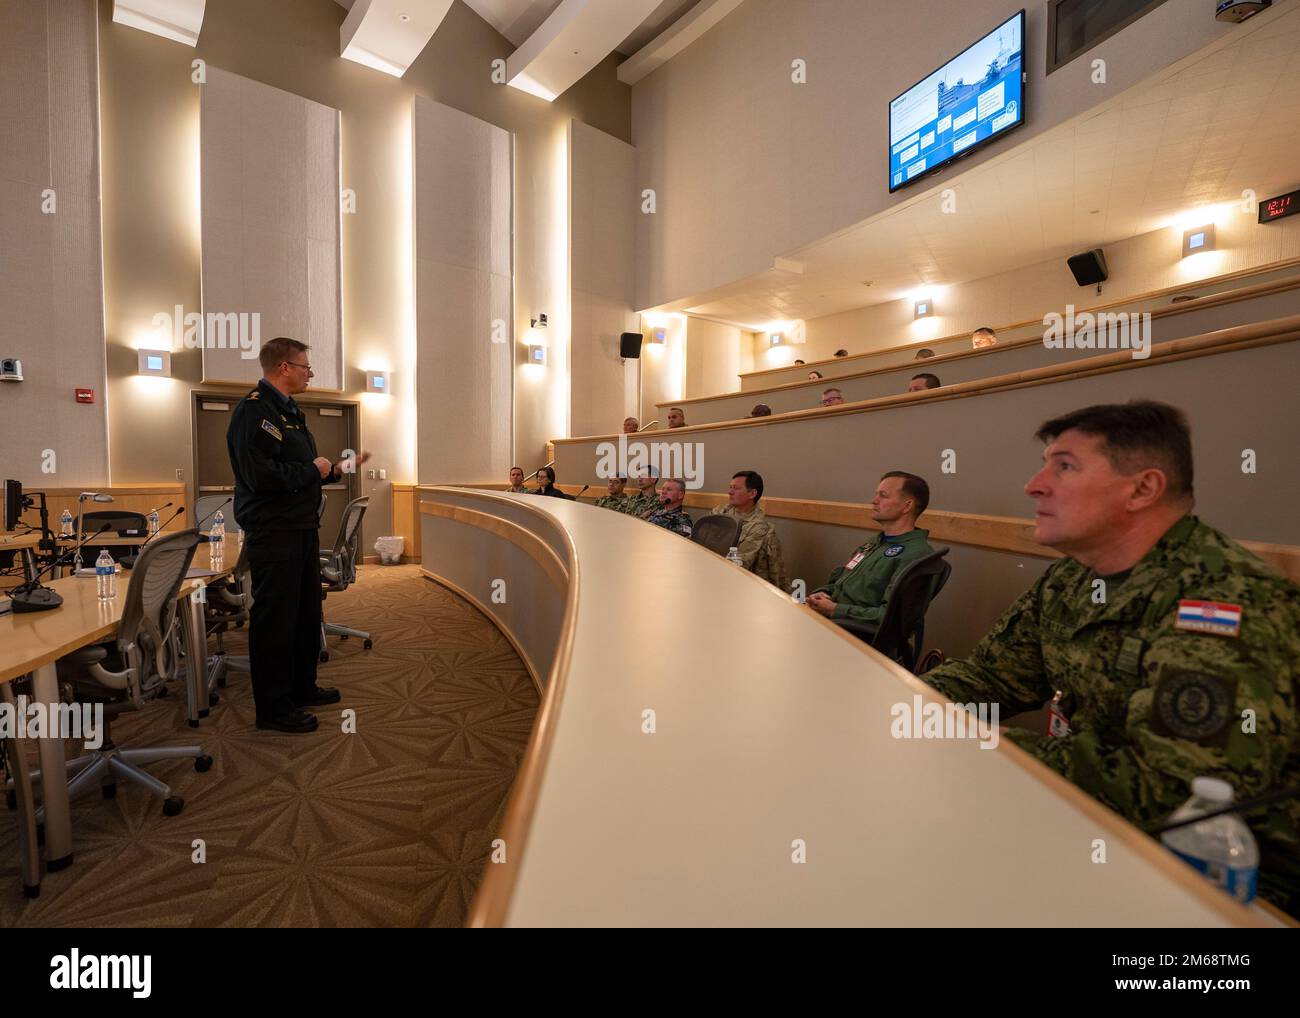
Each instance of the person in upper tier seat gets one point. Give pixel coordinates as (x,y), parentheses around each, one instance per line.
(646,499)
(814,376)
(1161,635)
(546,484)
(759,547)
(671,515)
(832,397)
(923,381)
(615,499)
(676,417)
(841,353)
(761,410)
(860,589)
(983,338)
(517,481)
(630,425)
(923,354)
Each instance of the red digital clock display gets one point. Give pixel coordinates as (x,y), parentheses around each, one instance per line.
(1279,207)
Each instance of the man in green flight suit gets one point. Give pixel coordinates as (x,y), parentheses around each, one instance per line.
(1174,649)
(861,587)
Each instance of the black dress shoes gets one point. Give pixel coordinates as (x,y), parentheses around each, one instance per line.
(295,723)
(318,697)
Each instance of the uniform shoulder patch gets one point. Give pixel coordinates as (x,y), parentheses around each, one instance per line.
(1209,617)
(272,430)
(1193,705)
(893,549)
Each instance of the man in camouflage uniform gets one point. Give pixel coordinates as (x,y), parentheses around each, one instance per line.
(615,499)
(671,515)
(860,589)
(646,500)
(1175,649)
(759,547)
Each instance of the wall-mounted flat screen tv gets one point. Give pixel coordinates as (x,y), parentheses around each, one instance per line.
(977,96)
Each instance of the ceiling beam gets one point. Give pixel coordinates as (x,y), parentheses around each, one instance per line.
(179,20)
(684,31)
(577,36)
(388,35)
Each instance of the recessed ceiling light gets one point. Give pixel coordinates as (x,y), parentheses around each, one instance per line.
(403,17)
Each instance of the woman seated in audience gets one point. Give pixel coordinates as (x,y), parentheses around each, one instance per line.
(546,484)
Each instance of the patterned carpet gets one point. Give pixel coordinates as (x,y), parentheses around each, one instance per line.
(390,826)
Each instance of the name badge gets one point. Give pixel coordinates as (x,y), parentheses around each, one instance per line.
(272,430)
(855,560)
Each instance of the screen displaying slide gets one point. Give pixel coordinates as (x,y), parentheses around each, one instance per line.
(969,100)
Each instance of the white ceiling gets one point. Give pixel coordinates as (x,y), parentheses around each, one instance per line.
(1223,120)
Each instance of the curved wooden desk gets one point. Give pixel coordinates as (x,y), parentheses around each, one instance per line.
(772,728)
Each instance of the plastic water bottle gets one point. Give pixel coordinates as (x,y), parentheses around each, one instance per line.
(219,524)
(216,543)
(65,523)
(153,523)
(105,576)
(1221,848)
(733,555)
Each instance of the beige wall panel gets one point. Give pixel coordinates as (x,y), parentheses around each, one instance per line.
(51,292)
(839,457)
(270,170)
(599,374)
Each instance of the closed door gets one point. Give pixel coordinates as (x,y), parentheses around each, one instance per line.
(333,425)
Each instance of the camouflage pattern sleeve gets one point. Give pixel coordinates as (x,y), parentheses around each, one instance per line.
(1006,666)
(1211,705)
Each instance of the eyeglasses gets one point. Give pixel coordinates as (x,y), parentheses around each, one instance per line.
(295,364)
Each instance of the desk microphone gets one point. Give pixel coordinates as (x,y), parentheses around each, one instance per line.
(32,597)
(158,510)
(128,561)
(199,526)
(579,494)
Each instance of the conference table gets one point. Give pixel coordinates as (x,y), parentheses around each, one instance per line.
(709,752)
(33,642)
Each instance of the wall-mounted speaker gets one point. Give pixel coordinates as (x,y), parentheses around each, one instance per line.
(1089,267)
(629,345)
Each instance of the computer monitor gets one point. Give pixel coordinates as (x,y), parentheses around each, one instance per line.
(13,503)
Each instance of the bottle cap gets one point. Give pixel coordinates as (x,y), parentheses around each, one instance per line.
(1213,789)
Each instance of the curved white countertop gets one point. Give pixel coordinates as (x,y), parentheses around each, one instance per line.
(773,728)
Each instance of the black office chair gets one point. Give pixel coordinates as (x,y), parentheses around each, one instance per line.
(122,523)
(228,606)
(338,571)
(900,634)
(717,533)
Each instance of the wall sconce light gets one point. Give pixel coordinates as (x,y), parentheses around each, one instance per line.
(658,336)
(537,354)
(776,339)
(155,362)
(1198,240)
(377,381)
(922,309)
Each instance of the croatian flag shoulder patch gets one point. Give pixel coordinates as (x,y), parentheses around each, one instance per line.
(1209,617)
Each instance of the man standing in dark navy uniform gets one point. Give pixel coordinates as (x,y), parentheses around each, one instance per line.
(278,478)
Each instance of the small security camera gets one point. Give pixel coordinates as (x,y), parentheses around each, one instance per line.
(1237,11)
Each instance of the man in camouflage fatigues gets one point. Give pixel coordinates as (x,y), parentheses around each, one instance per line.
(646,500)
(759,547)
(1175,649)
(861,588)
(615,500)
(671,515)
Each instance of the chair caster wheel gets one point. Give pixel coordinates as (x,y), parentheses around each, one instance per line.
(173,805)
(343,636)
(202,763)
(213,699)
(11,799)
(109,791)
(324,655)
(368,644)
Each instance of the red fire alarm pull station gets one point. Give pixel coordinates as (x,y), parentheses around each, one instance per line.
(85,395)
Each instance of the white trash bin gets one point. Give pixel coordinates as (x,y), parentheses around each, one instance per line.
(390,549)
